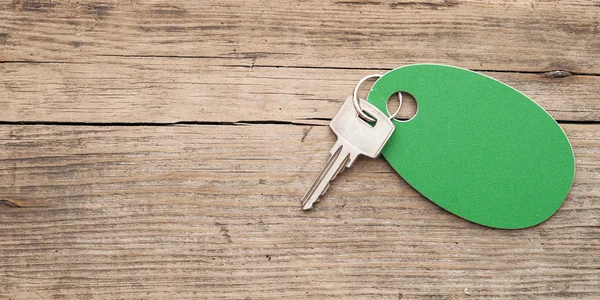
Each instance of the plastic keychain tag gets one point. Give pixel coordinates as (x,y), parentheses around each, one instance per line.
(477,147)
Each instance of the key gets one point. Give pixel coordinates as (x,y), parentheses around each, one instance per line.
(354,137)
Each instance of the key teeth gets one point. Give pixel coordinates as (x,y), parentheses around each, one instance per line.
(338,152)
(324,190)
(338,172)
(351,159)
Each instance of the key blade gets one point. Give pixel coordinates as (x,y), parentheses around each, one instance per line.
(355,137)
(336,163)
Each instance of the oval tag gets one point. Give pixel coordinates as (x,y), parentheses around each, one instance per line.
(477,147)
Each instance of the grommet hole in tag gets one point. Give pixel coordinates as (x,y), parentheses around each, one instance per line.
(407,111)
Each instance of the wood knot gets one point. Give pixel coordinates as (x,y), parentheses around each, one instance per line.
(9,203)
(557,74)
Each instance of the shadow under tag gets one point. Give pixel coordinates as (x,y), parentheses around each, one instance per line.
(477,147)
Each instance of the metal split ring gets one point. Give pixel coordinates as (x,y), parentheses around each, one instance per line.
(356,102)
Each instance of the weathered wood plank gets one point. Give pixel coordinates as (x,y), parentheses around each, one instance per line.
(213,212)
(490,35)
(166,90)
(208,211)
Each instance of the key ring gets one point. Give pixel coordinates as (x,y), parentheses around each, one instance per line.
(356,103)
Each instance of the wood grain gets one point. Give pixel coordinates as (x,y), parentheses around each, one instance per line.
(154,150)
(220,61)
(168,90)
(490,35)
(128,213)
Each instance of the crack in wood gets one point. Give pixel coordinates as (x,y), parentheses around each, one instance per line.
(305,134)
(557,74)
(146,124)
(9,203)
(224,231)
(41,62)
(593,122)
(210,123)
(254,56)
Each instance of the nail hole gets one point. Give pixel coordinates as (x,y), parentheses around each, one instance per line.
(407,111)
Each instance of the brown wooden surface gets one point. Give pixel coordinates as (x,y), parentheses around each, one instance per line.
(154,150)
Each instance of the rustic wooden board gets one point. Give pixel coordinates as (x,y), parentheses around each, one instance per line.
(167,90)
(166,212)
(488,35)
(154,150)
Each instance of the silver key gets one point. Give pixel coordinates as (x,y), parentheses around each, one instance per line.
(355,137)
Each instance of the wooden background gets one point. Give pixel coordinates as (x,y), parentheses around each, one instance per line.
(159,150)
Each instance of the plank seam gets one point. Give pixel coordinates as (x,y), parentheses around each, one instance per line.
(147,124)
(210,123)
(545,73)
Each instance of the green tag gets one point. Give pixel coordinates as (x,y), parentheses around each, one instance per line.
(477,147)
